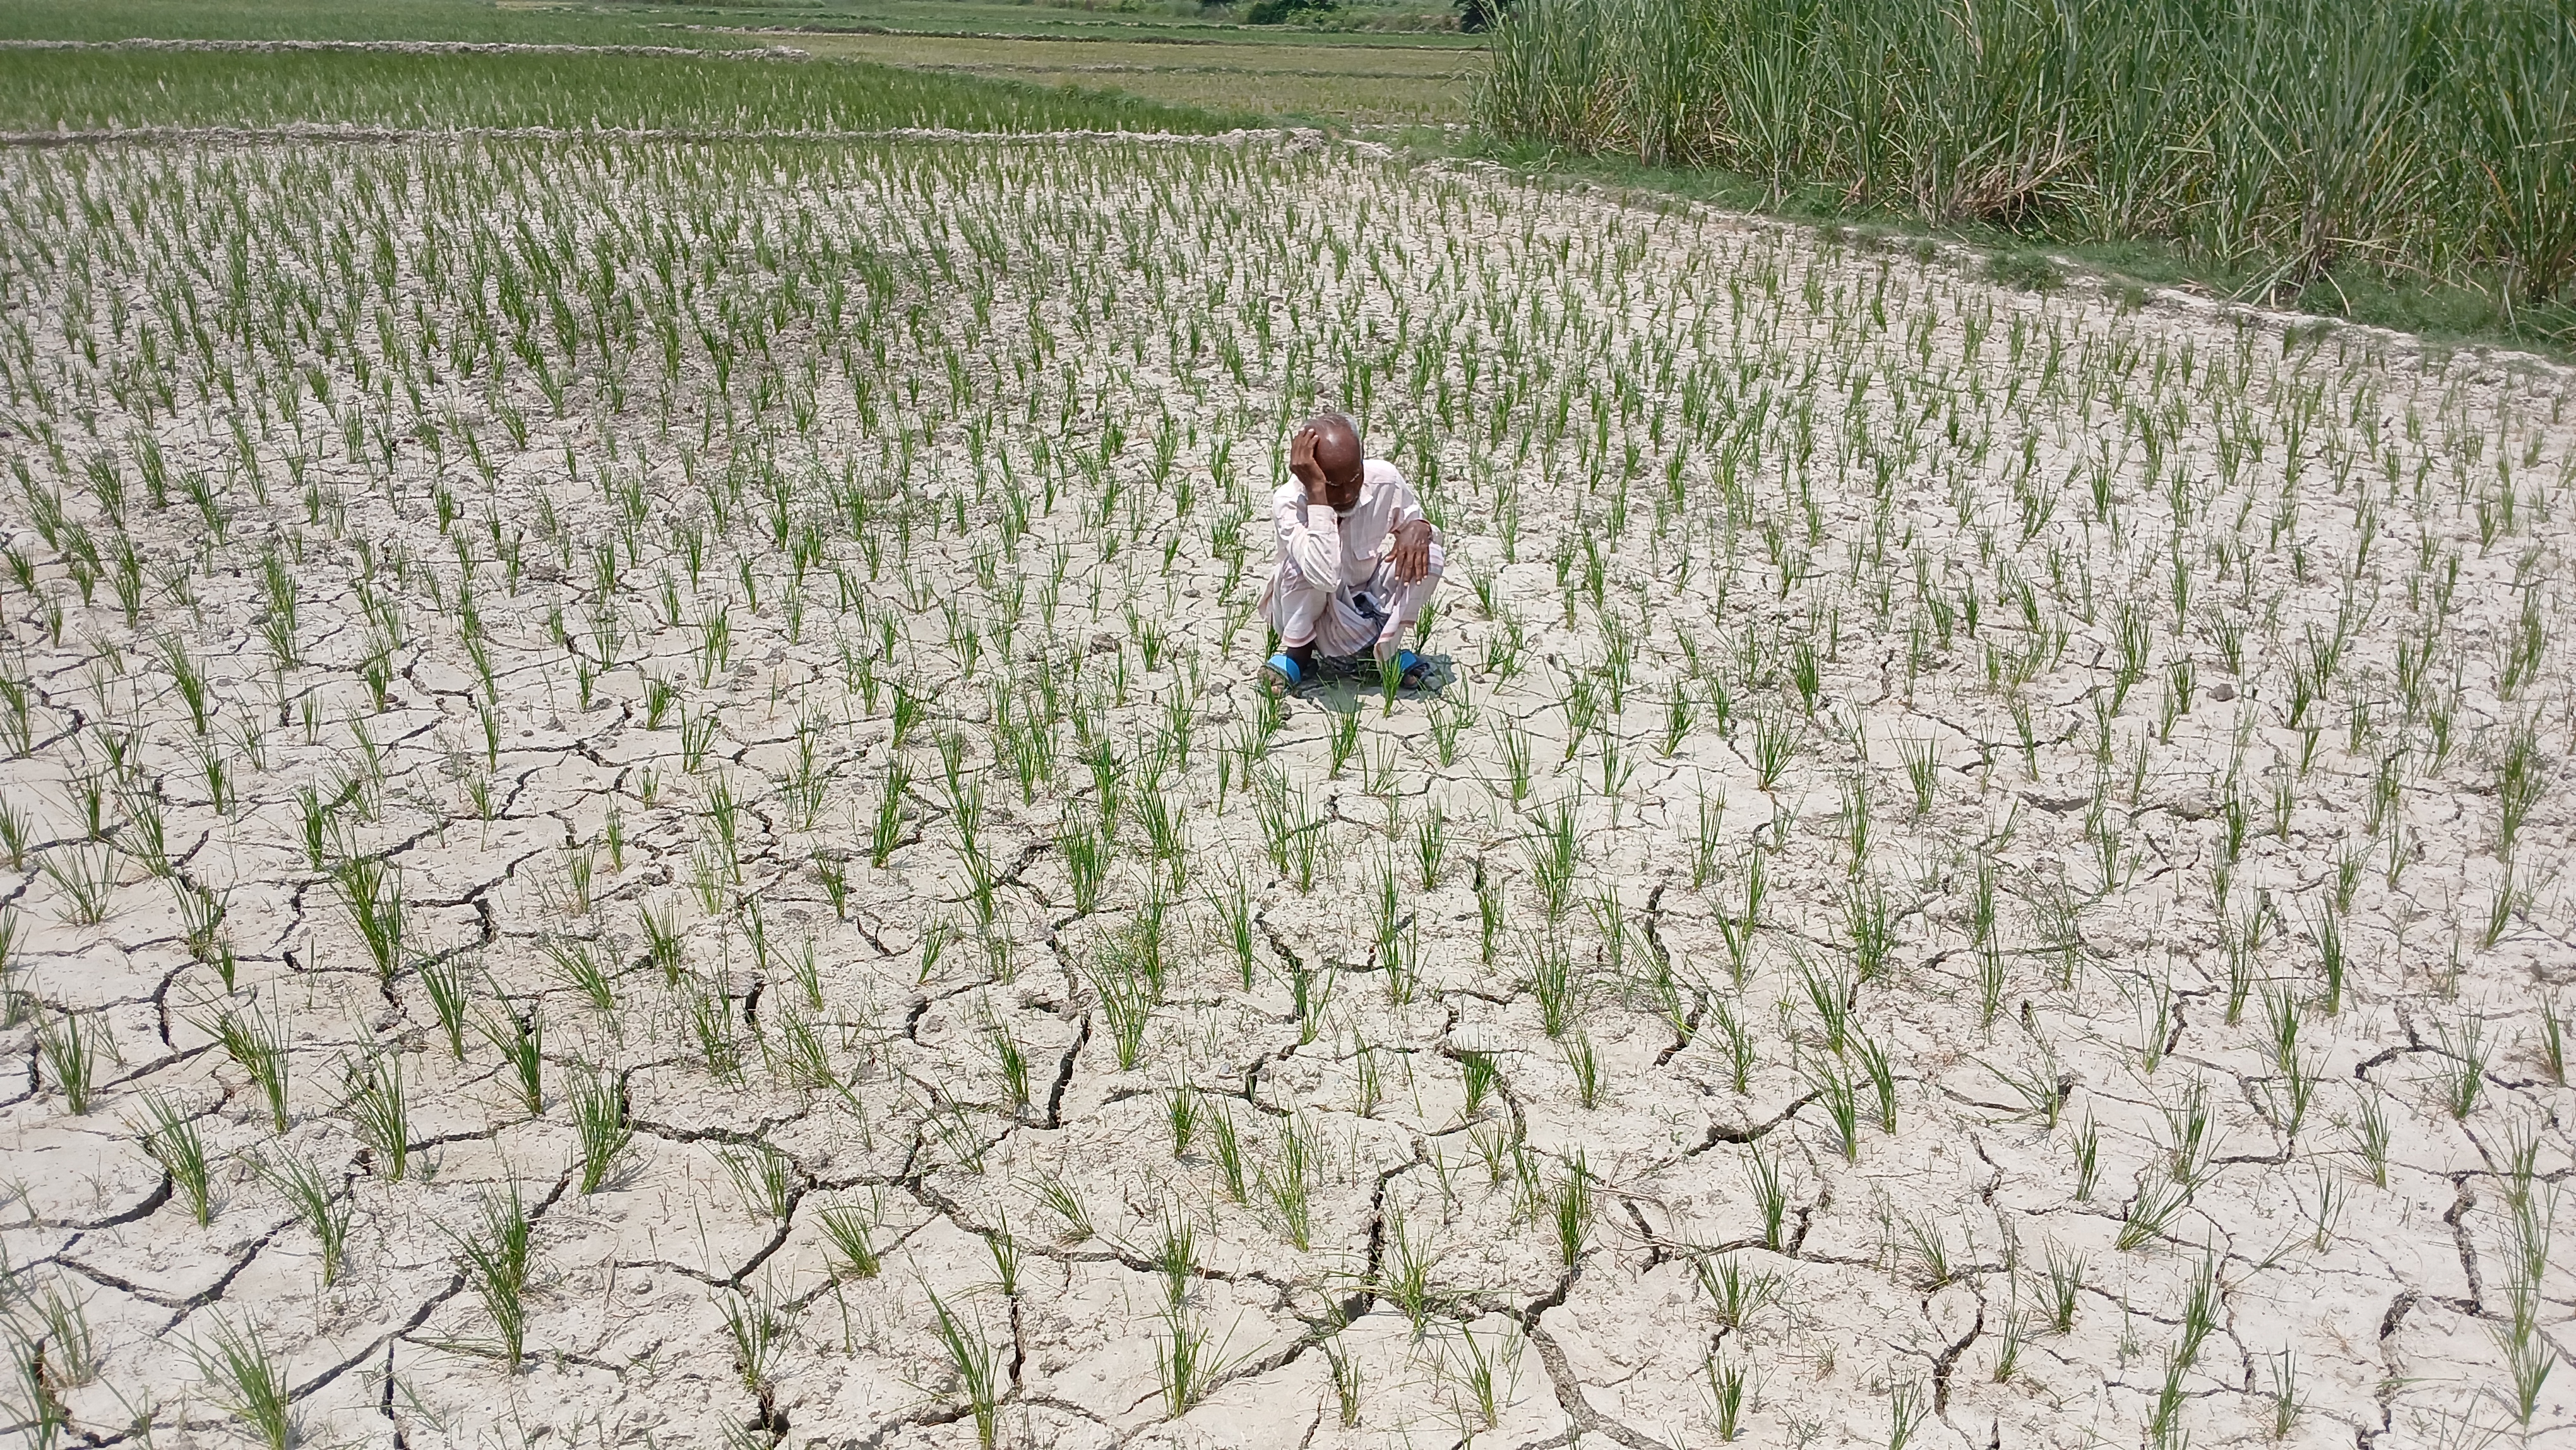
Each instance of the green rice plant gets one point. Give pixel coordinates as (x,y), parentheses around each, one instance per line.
(2087,1144)
(2461,1070)
(1288,1186)
(887,825)
(2551,1034)
(1710,821)
(2009,1339)
(1554,981)
(257,1046)
(248,1382)
(599,1116)
(1737,1293)
(1234,915)
(87,877)
(581,970)
(1882,1076)
(372,890)
(1087,854)
(499,1263)
(1342,740)
(2521,779)
(170,1136)
(1553,851)
(1775,745)
(1738,1037)
(17,833)
(759,1323)
(2199,1310)
(1728,1378)
(69,1047)
(1430,846)
(767,1179)
(849,1232)
(1490,907)
(1584,1062)
(521,1041)
(1404,1275)
(1831,994)
(1291,831)
(1929,1249)
(1346,1384)
(1922,764)
(1515,747)
(661,942)
(1570,1211)
(1771,1198)
(2286,1398)
(2159,1201)
(2065,1288)
(2042,1086)
(323,1212)
(1186,1363)
(2164,1412)
(978,1368)
(1232,1170)
(1907,1409)
(380,1112)
(1127,1002)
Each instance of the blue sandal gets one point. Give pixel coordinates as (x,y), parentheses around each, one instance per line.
(1284,669)
(1409,668)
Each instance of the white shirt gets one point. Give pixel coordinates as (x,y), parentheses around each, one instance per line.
(1337,549)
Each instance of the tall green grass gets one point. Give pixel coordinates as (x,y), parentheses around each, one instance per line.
(2290,137)
(101,90)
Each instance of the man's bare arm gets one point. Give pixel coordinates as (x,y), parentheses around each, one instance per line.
(1412,551)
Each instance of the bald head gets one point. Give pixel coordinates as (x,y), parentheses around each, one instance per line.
(1337,456)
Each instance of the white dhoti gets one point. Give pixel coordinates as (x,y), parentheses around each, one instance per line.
(1368,616)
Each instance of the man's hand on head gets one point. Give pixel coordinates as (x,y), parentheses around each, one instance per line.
(1411,552)
(1301,462)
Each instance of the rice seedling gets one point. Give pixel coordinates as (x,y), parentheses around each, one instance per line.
(499,1264)
(86,878)
(849,1233)
(758,1324)
(69,1048)
(767,1179)
(2460,1073)
(324,1212)
(521,1041)
(373,893)
(1287,1186)
(1346,1385)
(978,1369)
(2286,1398)
(380,1111)
(245,1378)
(1771,1197)
(599,1115)
(170,1136)
(1570,1211)
(1737,1293)
(1728,1379)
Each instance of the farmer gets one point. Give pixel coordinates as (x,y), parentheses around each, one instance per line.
(1357,560)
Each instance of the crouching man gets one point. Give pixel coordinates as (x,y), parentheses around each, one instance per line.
(1357,560)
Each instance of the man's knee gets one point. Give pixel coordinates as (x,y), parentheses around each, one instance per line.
(1290,581)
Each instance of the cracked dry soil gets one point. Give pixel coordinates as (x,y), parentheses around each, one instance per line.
(1985,868)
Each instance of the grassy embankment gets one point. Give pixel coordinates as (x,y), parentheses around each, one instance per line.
(2412,164)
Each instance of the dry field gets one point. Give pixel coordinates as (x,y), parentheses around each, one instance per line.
(634,814)
(1383,83)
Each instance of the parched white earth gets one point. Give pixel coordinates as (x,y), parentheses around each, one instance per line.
(1982,868)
